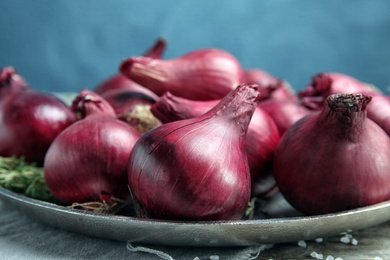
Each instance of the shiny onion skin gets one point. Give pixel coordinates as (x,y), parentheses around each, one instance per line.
(87,162)
(270,87)
(10,80)
(203,74)
(285,112)
(29,120)
(262,136)
(196,169)
(119,81)
(327,83)
(133,107)
(379,110)
(334,160)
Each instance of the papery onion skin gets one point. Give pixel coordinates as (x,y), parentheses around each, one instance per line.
(203,74)
(271,87)
(88,160)
(119,81)
(334,160)
(196,169)
(285,112)
(325,84)
(133,107)
(29,120)
(262,136)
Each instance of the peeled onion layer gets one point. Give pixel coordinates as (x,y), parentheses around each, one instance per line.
(196,169)
(334,160)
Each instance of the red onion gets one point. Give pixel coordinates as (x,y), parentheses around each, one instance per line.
(196,169)
(379,110)
(262,135)
(29,120)
(133,108)
(284,112)
(10,80)
(270,87)
(324,84)
(121,82)
(203,74)
(334,160)
(88,160)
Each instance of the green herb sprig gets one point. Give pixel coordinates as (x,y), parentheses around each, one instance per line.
(18,176)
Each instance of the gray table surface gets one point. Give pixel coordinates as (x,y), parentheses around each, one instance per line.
(24,238)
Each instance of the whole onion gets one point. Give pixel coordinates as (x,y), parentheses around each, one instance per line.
(285,112)
(270,87)
(29,120)
(327,83)
(202,74)
(87,162)
(133,107)
(334,160)
(119,81)
(262,135)
(196,169)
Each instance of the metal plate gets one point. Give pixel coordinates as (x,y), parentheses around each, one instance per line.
(205,234)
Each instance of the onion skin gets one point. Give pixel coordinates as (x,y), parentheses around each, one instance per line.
(133,108)
(196,169)
(285,112)
(334,160)
(29,120)
(203,74)
(88,160)
(262,136)
(379,110)
(271,87)
(327,83)
(119,81)
(10,80)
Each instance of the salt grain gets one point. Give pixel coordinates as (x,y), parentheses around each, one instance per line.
(214,257)
(301,243)
(319,240)
(354,242)
(196,258)
(378,258)
(338,258)
(345,239)
(329,257)
(316,255)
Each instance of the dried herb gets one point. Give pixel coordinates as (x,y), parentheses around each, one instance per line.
(18,176)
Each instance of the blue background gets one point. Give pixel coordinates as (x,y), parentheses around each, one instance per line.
(64,45)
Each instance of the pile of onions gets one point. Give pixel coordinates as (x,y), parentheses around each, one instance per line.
(203,74)
(262,135)
(87,162)
(29,120)
(196,169)
(119,81)
(334,160)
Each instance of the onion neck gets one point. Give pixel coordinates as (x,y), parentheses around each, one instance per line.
(345,115)
(88,103)
(239,105)
(157,49)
